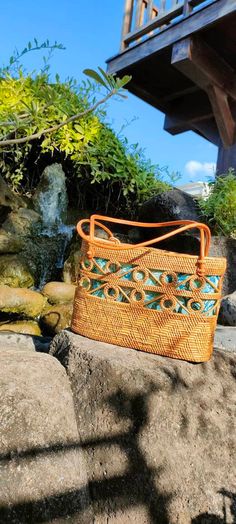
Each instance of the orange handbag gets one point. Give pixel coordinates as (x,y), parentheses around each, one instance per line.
(145,298)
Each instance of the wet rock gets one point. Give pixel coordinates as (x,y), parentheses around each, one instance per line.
(168,206)
(227,314)
(56,318)
(59,292)
(50,198)
(24,222)
(25,327)
(159,434)
(21,301)
(43,473)
(10,243)
(15,271)
(71,264)
(8,200)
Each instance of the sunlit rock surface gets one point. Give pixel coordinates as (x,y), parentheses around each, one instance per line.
(43,475)
(159,434)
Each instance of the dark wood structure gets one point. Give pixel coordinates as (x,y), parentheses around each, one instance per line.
(182,58)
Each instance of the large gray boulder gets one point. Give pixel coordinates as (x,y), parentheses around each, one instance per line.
(43,476)
(159,434)
(227,314)
(226,247)
(168,206)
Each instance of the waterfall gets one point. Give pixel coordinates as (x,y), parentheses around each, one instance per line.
(51,201)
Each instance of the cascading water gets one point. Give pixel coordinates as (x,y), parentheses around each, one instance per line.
(51,202)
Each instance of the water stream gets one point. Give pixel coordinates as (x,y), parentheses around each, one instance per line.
(51,202)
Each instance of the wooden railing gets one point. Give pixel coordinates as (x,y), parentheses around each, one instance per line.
(142,18)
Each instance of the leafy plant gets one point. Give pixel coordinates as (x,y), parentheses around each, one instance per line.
(42,121)
(220,207)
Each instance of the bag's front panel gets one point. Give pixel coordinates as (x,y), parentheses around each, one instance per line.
(164,334)
(141,300)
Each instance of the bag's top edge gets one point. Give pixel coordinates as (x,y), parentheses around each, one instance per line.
(150,257)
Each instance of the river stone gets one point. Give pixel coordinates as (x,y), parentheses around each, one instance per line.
(21,301)
(165,207)
(9,243)
(25,327)
(159,434)
(8,200)
(227,314)
(15,271)
(43,474)
(24,222)
(56,318)
(59,292)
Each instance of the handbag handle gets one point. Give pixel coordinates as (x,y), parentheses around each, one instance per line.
(205,235)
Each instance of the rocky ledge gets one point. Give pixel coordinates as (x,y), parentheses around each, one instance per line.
(159,434)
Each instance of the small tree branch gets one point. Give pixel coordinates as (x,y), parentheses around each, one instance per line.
(38,135)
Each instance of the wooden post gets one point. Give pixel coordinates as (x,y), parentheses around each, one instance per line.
(139,13)
(150,10)
(127,21)
(226,159)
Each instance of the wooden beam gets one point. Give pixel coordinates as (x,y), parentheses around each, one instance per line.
(206,128)
(202,64)
(202,19)
(223,115)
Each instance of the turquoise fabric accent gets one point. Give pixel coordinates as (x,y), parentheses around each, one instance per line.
(126,274)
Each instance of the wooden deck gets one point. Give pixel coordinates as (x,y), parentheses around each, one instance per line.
(182,58)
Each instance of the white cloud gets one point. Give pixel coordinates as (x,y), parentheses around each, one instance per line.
(200,169)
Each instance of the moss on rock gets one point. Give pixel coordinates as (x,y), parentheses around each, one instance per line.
(21,301)
(25,327)
(15,271)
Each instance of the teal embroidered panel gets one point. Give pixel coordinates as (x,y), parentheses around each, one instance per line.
(156,300)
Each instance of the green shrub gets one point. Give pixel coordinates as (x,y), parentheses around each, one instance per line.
(109,174)
(220,208)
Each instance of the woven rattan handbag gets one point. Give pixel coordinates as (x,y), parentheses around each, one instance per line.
(146,298)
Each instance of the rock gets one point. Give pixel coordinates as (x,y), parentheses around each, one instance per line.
(18,342)
(226,247)
(56,318)
(225,338)
(165,207)
(8,200)
(15,271)
(21,301)
(50,198)
(59,292)
(9,243)
(25,327)
(24,222)
(159,434)
(71,264)
(227,314)
(43,474)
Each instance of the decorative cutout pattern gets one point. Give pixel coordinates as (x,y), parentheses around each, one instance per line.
(150,288)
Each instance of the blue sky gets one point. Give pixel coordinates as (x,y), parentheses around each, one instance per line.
(90,31)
